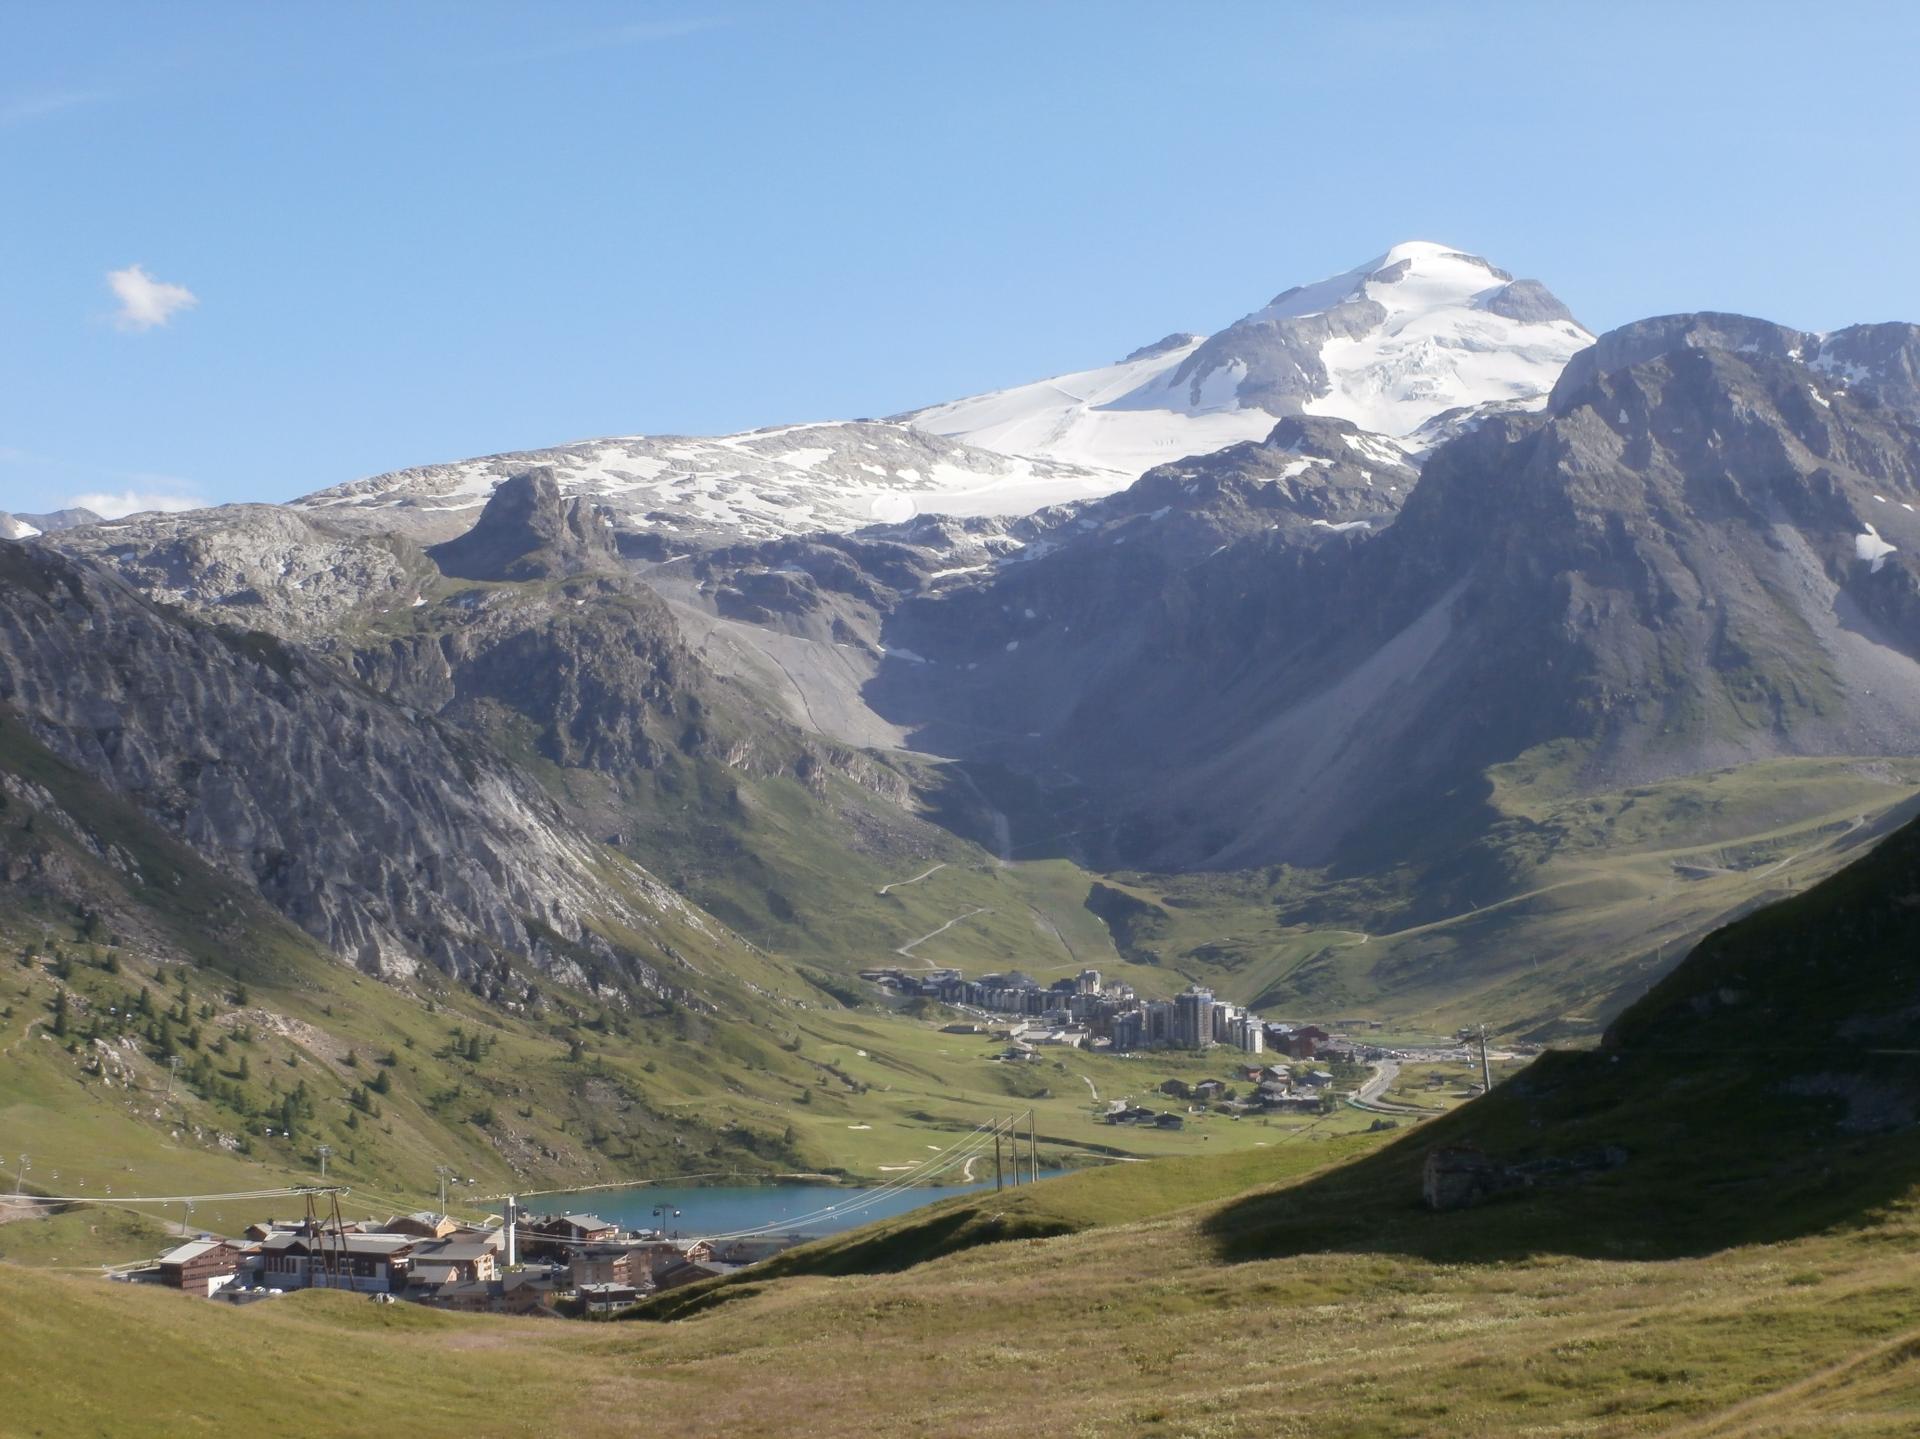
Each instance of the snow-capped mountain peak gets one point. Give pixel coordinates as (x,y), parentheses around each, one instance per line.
(1391,344)
(1423,335)
(1414,275)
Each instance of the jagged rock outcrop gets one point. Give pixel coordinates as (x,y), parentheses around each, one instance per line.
(529,531)
(1528,301)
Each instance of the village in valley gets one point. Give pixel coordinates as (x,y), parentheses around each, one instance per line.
(1283,1068)
(1230,1064)
(564,1264)
(580,1265)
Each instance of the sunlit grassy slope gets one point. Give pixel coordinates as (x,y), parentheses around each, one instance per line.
(1132,1326)
(786,1078)
(1743,1264)
(776,1076)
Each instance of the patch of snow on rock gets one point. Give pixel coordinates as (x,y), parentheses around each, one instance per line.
(1871,547)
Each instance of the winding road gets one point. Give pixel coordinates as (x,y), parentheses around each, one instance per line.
(1367,1096)
(906,950)
(903,883)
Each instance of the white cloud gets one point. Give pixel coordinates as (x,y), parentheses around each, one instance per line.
(146,302)
(111,505)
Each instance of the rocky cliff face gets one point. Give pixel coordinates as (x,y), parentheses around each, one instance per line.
(596,665)
(259,566)
(527,531)
(1702,555)
(392,837)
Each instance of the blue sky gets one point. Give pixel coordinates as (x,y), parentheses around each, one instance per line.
(419,232)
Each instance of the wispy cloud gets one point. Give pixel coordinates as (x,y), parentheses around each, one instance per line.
(109,492)
(112,504)
(145,302)
(20,109)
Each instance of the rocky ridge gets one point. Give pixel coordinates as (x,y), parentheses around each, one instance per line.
(1702,558)
(393,838)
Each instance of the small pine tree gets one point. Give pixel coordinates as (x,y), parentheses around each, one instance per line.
(61,1019)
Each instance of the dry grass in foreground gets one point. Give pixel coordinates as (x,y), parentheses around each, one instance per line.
(1126,1329)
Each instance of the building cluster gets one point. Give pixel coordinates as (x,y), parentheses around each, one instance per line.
(1269,1089)
(526,1265)
(1087,1012)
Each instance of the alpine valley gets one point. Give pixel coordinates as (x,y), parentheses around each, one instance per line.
(1402,651)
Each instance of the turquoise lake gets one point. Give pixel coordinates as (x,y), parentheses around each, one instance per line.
(812,1209)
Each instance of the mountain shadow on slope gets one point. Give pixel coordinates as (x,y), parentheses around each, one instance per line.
(1700,556)
(1768,1087)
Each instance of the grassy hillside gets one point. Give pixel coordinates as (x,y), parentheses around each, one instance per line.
(1740,1264)
(1770,1085)
(781,1077)
(1548,918)
(272,1032)
(1131,1327)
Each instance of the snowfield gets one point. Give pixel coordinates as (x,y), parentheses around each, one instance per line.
(760,485)
(1390,345)
(1420,336)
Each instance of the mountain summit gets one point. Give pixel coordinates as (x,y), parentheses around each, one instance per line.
(1419,333)
(1415,344)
